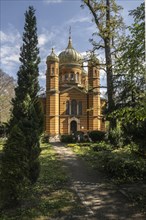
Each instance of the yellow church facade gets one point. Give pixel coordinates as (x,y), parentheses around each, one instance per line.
(72,102)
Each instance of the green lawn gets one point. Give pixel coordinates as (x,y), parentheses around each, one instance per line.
(51,197)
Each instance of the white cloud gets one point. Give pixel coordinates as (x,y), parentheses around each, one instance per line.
(53,1)
(45,37)
(42,39)
(42,75)
(11,36)
(13,58)
(80,19)
(10,50)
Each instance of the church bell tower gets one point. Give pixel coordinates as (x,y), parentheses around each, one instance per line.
(52,95)
(93,95)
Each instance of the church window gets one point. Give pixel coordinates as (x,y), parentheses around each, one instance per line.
(80,108)
(67,108)
(52,71)
(66,76)
(74,107)
(72,76)
(95,73)
(77,77)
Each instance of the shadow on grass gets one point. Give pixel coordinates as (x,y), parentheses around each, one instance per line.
(97,192)
(51,197)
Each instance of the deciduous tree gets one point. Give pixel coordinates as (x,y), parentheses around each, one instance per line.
(7,86)
(108,22)
(130,83)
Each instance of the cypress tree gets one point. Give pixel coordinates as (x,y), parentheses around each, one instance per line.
(26,124)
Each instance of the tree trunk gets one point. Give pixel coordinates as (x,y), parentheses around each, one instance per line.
(110,90)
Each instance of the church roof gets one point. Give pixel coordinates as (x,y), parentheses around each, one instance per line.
(53,57)
(70,55)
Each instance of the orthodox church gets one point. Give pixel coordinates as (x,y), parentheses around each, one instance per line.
(72,101)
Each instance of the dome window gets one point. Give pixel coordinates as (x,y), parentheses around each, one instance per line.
(72,76)
(77,76)
(66,77)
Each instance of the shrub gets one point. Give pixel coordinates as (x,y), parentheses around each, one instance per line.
(45,138)
(14,168)
(102,146)
(3,130)
(115,137)
(97,135)
(67,139)
(122,165)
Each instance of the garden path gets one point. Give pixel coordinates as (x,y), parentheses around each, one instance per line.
(102,199)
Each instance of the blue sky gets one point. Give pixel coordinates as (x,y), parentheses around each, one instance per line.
(53,20)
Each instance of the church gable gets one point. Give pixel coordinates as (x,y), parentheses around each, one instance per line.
(73,89)
(67,99)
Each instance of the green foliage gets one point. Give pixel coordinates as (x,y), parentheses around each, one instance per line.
(71,145)
(130,69)
(2,142)
(3,130)
(109,24)
(51,196)
(14,168)
(45,138)
(26,120)
(67,139)
(130,82)
(97,135)
(102,146)
(122,164)
(115,137)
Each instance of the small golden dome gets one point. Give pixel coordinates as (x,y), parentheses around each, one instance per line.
(70,55)
(53,57)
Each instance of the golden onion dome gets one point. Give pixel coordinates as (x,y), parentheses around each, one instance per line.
(53,57)
(70,55)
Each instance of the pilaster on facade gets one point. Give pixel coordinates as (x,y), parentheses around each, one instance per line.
(73,100)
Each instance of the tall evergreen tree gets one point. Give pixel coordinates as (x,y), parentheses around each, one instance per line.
(26,124)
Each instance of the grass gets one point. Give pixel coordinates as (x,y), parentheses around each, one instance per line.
(120,163)
(122,166)
(51,197)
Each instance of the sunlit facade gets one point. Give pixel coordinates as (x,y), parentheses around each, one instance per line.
(72,101)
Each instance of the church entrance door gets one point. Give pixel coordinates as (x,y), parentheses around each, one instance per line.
(73,126)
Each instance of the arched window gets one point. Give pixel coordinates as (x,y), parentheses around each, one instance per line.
(95,73)
(67,108)
(66,76)
(80,108)
(77,77)
(72,76)
(63,77)
(52,71)
(74,107)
